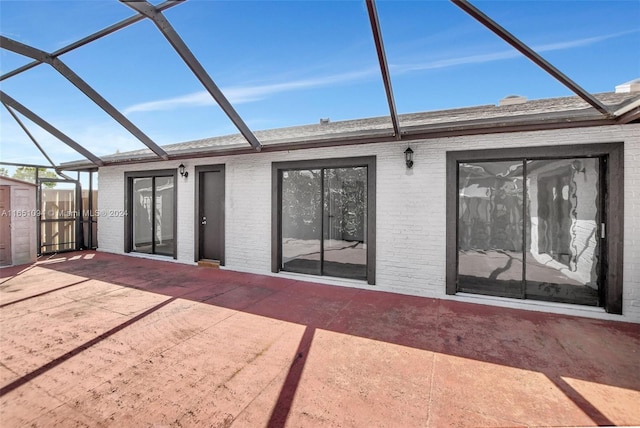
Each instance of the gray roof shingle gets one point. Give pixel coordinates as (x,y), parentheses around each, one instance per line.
(534,110)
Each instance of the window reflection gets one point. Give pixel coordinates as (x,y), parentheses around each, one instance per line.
(301,220)
(164,222)
(561,236)
(153,208)
(490,238)
(345,220)
(142,212)
(563,249)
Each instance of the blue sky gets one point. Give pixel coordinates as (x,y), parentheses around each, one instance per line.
(293,62)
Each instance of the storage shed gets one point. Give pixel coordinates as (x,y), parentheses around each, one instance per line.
(18,216)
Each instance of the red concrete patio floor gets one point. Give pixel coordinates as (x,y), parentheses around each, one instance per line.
(95,339)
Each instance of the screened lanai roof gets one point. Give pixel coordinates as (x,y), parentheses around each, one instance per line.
(138,78)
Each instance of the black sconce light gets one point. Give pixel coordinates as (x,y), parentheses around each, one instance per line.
(408,157)
(181,170)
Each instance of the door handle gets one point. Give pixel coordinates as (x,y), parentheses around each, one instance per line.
(204,220)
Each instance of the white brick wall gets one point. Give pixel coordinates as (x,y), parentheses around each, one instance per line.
(110,197)
(410,210)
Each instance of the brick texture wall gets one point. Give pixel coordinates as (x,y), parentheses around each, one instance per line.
(410,210)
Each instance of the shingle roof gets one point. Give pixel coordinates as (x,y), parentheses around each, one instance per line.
(551,109)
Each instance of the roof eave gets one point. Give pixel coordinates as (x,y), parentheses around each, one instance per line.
(523,123)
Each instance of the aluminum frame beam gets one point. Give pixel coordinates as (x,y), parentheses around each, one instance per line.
(30,165)
(384,67)
(501,32)
(31,137)
(8,101)
(35,142)
(85,88)
(167,30)
(90,38)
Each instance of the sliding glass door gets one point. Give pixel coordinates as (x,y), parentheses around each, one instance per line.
(324,221)
(151,208)
(531,229)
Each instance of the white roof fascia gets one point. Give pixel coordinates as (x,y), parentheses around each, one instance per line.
(627,108)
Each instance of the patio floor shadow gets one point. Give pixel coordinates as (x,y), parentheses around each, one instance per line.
(97,339)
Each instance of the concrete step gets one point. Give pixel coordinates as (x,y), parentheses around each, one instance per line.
(209,263)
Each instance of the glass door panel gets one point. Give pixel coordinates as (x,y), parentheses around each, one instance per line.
(302,221)
(345,219)
(142,215)
(563,245)
(164,221)
(153,215)
(490,228)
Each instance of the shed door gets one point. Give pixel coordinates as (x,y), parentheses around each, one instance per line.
(5,225)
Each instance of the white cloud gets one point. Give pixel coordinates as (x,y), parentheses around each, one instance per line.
(190,100)
(452,62)
(579,42)
(246,94)
(502,55)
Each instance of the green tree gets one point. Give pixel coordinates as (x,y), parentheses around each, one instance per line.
(28,173)
(4,172)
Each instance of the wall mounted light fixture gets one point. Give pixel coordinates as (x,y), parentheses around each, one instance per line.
(182,171)
(408,157)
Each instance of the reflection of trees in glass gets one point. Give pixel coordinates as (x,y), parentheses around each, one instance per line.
(300,203)
(343,204)
(490,210)
(560,248)
(506,232)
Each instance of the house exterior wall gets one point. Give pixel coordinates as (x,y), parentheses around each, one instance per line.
(411,211)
